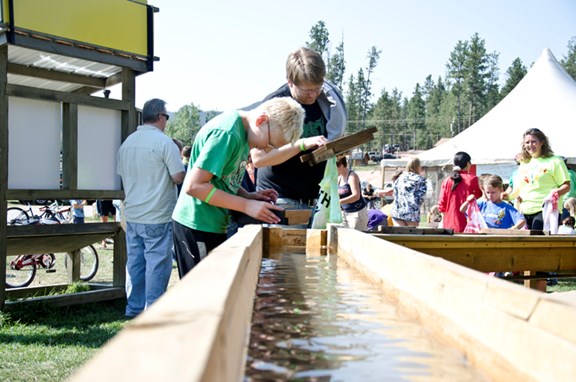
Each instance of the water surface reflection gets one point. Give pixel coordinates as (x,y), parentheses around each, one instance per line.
(315,320)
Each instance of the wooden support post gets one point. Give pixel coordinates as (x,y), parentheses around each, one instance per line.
(129,122)
(119,258)
(296,217)
(3,162)
(73,269)
(70,146)
(316,241)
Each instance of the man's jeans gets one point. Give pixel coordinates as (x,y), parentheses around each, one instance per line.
(149,264)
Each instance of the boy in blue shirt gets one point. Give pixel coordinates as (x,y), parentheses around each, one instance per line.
(496,212)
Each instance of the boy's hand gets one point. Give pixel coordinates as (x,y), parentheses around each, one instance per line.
(269,195)
(263,211)
(311,142)
(470,198)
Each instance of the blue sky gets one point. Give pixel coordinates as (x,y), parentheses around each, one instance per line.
(225,54)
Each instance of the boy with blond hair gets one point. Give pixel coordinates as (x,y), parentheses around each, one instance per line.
(218,160)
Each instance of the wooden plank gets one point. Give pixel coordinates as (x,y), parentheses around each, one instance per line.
(273,237)
(514,232)
(339,146)
(3,159)
(487,253)
(277,237)
(64,194)
(59,96)
(23,240)
(86,52)
(295,217)
(69,146)
(203,339)
(507,331)
(104,294)
(34,291)
(62,229)
(119,258)
(414,231)
(481,241)
(54,75)
(316,240)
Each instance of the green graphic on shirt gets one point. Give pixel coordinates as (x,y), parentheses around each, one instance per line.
(313,128)
(233,180)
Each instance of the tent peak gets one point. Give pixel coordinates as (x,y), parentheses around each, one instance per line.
(547,54)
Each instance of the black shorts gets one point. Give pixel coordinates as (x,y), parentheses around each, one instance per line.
(536,221)
(191,246)
(105,208)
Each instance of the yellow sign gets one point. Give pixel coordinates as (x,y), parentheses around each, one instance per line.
(116,24)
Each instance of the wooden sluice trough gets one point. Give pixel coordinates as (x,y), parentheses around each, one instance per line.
(198,331)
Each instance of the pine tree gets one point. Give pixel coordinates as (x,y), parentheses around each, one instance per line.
(569,60)
(514,74)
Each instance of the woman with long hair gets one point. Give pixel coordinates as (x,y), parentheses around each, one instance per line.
(354,209)
(541,175)
(455,190)
(409,190)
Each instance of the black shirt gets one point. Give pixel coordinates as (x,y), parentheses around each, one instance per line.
(294,179)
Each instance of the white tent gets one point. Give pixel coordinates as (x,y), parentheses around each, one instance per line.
(545,99)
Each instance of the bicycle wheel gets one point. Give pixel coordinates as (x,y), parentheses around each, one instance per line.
(88,263)
(64,216)
(15,215)
(19,278)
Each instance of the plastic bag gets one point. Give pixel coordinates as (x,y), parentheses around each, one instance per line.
(327,208)
(550,213)
(476,220)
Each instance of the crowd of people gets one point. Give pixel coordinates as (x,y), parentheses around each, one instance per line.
(244,166)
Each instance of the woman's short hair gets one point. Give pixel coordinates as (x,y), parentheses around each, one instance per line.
(341,161)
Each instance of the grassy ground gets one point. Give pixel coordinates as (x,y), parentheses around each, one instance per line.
(43,344)
(564,285)
(48,344)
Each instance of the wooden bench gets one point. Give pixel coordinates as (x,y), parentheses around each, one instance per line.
(498,253)
(67,238)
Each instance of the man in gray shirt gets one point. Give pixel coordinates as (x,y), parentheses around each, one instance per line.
(150,167)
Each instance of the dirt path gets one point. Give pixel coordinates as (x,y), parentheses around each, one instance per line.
(374,176)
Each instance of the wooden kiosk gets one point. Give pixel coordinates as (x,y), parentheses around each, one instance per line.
(58,138)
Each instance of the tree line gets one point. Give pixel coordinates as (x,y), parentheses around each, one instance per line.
(438,108)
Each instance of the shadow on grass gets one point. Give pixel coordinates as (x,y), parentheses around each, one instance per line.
(90,325)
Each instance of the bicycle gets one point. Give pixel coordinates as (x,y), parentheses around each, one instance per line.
(21,271)
(17,215)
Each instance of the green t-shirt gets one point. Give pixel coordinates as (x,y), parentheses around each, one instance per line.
(221,148)
(537,178)
(572,192)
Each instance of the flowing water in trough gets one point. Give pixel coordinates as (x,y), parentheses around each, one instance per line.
(316,320)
